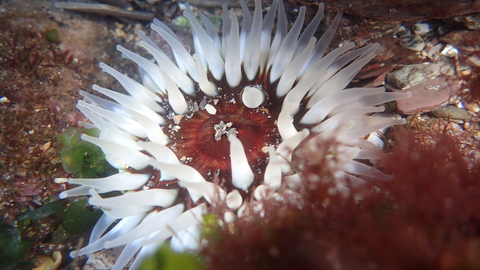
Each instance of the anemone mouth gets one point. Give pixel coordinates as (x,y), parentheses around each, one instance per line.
(201,139)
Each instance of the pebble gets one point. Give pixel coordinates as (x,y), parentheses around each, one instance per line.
(473,107)
(429,95)
(415,74)
(473,60)
(430,84)
(464,40)
(409,39)
(412,42)
(427,28)
(422,28)
(49,263)
(103,259)
(452,112)
(449,51)
(471,21)
(119,32)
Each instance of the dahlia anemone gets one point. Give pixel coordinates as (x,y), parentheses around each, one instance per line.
(219,126)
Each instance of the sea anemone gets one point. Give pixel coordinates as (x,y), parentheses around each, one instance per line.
(220,126)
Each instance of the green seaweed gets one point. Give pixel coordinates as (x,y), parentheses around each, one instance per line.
(80,217)
(56,207)
(83,158)
(13,249)
(52,35)
(167,259)
(211,227)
